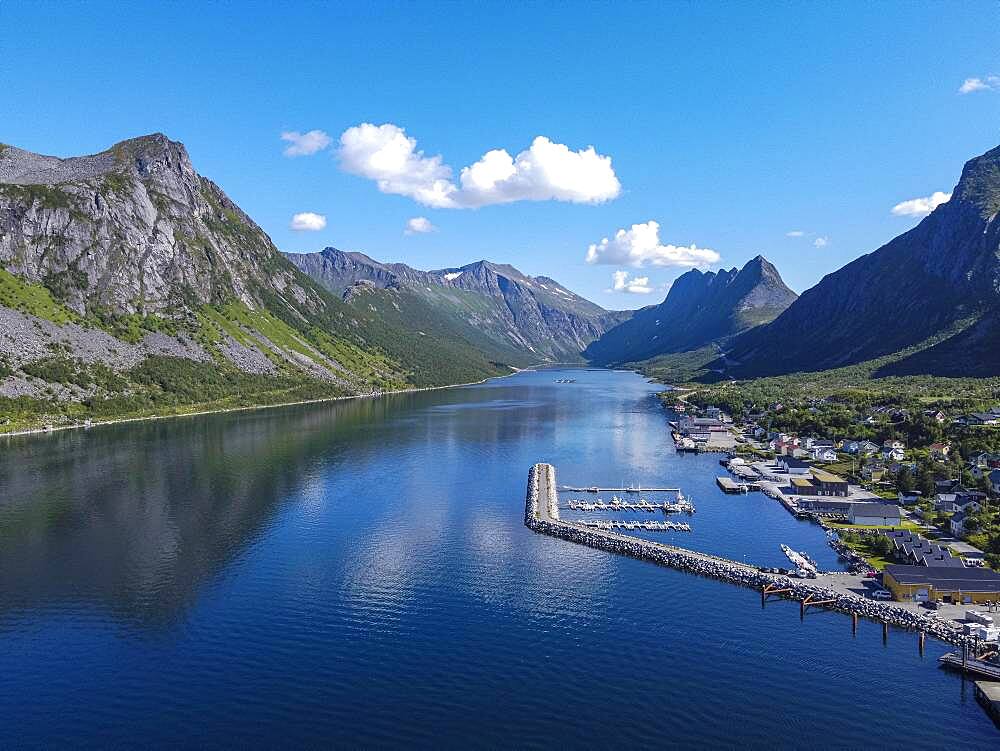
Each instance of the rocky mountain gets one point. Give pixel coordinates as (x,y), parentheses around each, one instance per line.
(701,308)
(535,315)
(932,293)
(129,283)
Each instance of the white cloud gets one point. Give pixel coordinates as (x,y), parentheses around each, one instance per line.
(640,245)
(638,285)
(988,83)
(305,144)
(419,225)
(821,242)
(921,206)
(545,171)
(385,154)
(307,221)
(795,233)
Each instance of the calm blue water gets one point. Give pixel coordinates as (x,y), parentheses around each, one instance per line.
(358,574)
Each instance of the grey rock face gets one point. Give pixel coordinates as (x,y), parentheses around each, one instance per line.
(133,229)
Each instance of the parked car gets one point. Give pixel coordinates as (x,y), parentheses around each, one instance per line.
(881,594)
(931,604)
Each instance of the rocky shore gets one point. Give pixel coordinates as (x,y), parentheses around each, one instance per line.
(541,515)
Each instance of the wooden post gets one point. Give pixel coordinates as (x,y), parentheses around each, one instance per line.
(965,651)
(920,642)
(885,633)
(854,624)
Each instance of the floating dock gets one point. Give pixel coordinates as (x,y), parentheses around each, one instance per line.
(595,489)
(642,505)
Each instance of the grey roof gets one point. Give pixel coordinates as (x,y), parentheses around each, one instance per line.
(875,509)
(974,579)
(790,461)
(942,559)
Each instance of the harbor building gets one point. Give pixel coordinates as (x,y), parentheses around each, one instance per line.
(819,482)
(956,584)
(874,514)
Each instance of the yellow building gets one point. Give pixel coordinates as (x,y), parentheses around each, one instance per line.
(942,583)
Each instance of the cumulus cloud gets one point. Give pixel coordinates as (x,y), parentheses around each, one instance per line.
(638,285)
(988,83)
(544,171)
(821,242)
(419,225)
(795,233)
(307,221)
(305,144)
(921,206)
(640,245)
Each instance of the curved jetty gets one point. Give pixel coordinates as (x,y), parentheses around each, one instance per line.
(541,514)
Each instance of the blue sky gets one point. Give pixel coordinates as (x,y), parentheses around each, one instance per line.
(728,125)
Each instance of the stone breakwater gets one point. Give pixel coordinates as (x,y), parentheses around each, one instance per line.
(541,515)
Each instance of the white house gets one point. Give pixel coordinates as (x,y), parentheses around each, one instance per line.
(893,453)
(824,454)
(793,466)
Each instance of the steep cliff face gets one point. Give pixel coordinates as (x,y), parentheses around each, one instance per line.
(921,285)
(700,309)
(131,284)
(535,315)
(135,229)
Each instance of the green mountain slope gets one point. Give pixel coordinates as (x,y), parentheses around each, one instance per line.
(131,285)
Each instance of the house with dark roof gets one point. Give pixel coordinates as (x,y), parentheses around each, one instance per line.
(874,514)
(941,583)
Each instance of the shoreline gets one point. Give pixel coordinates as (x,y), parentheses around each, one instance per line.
(251,407)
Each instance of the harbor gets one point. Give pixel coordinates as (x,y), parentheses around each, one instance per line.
(542,515)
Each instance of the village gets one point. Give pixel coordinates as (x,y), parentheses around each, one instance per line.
(919,521)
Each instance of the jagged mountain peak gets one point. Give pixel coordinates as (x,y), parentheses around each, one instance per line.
(702,307)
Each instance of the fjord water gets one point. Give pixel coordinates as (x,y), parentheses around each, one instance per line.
(357,573)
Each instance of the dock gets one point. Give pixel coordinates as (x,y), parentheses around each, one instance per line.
(619,505)
(729,485)
(990,670)
(595,489)
(640,526)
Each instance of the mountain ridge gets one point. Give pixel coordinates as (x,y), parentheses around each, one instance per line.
(922,282)
(536,314)
(701,308)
